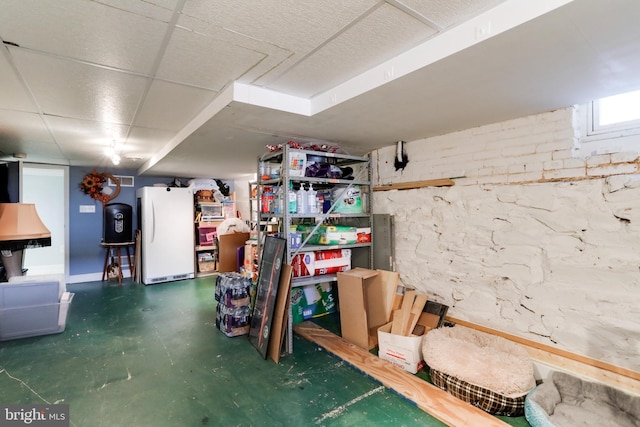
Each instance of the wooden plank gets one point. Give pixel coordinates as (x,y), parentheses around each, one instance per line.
(444,182)
(416,309)
(437,403)
(399,321)
(397,300)
(280,313)
(598,370)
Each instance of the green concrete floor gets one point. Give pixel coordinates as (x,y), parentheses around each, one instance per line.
(136,355)
(151,356)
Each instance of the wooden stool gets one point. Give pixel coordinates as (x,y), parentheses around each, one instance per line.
(118,247)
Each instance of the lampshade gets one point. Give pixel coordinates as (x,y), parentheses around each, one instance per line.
(21,227)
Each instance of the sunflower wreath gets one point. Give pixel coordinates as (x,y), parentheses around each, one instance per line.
(93,182)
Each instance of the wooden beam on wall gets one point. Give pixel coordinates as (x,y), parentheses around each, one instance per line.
(444,182)
(607,373)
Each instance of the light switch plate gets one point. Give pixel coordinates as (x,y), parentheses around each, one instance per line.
(87,208)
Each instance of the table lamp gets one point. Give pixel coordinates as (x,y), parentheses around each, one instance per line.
(20,228)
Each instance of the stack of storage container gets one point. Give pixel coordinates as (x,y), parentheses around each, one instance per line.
(233,311)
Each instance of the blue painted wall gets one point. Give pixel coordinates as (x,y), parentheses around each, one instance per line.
(86,256)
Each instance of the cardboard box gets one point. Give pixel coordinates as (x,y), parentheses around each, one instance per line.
(365,298)
(405,351)
(311,301)
(229,244)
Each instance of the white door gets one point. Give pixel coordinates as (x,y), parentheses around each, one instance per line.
(47,187)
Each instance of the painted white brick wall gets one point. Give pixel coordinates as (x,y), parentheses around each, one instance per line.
(529,241)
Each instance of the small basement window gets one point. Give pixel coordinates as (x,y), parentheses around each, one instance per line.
(615,113)
(610,125)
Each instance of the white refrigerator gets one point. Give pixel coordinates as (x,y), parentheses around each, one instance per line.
(165,219)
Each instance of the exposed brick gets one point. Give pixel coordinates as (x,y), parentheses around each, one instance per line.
(598,160)
(525,177)
(625,157)
(564,173)
(613,169)
(573,163)
(553,165)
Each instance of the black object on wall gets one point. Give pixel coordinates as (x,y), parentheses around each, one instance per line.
(117,223)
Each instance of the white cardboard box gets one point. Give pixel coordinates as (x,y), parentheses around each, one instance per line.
(403,351)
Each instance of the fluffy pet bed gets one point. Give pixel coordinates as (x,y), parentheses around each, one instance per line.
(485,370)
(567,401)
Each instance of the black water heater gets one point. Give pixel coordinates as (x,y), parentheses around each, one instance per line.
(117,223)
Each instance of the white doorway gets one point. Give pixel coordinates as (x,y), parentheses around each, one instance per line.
(46,186)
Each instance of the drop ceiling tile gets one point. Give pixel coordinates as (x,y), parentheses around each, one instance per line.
(292,26)
(446,13)
(381,35)
(22,132)
(23,126)
(145,142)
(171,106)
(160,10)
(92,31)
(36,151)
(81,91)
(198,59)
(14,95)
(81,140)
(268,55)
(85,134)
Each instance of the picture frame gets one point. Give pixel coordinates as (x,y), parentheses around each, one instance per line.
(266,291)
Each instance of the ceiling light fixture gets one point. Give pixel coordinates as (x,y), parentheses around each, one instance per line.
(112,153)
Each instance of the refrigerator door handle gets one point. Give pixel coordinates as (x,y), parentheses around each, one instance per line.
(153,222)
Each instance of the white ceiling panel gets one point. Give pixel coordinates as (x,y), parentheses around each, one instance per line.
(446,13)
(399,78)
(23,126)
(170,106)
(85,134)
(161,10)
(143,142)
(371,41)
(266,55)
(22,132)
(84,30)
(14,94)
(81,91)
(205,61)
(37,152)
(312,23)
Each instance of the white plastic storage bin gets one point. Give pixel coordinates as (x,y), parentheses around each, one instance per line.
(23,322)
(32,306)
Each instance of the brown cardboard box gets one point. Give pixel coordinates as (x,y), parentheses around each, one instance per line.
(405,351)
(229,244)
(365,298)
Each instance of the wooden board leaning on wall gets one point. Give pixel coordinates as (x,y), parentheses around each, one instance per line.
(444,182)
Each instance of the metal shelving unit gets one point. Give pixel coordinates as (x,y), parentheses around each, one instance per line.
(361,253)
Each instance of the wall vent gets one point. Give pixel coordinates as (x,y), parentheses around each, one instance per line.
(125,181)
